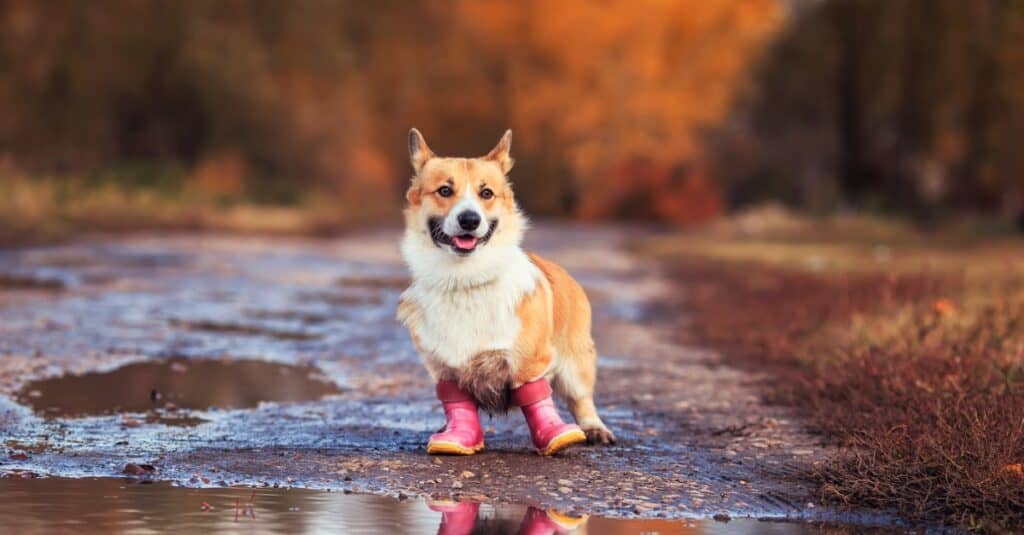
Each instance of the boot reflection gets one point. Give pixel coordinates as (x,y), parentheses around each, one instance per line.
(457,518)
(461,518)
(550,522)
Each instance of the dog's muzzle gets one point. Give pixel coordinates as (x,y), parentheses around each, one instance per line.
(464,242)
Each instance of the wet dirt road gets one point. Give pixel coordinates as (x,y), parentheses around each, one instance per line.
(349,406)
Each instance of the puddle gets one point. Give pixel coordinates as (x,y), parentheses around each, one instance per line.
(241,329)
(14,281)
(341,299)
(173,385)
(375,282)
(307,318)
(121,506)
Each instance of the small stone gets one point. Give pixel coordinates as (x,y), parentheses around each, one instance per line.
(565,490)
(466,474)
(456,484)
(565,482)
(133,469)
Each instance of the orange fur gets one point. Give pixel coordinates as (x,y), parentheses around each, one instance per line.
(460,174)
(533,350)
(570,311)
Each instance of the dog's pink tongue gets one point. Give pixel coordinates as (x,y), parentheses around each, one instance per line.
(465,242)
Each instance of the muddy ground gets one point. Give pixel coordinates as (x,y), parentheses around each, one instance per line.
(695,439)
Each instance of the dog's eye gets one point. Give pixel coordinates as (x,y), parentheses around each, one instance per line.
(445,191)
(486,193)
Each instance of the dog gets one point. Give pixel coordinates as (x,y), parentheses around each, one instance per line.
(495,326)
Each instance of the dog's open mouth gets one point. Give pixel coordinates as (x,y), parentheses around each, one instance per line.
(465,243)
(462,244)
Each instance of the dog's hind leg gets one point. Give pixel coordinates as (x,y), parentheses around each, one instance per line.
(574,369)
(574,379)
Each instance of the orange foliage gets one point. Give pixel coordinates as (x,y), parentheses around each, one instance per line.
(604,82)
(221,174)
(1016,469)
(640,188)
(319,95)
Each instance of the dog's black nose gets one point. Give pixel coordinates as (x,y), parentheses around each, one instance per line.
(469,220)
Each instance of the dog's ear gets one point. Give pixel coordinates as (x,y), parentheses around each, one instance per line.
(414,194)
(419,152)
(500,152)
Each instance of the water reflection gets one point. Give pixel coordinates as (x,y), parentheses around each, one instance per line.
(464,518)
(118,506)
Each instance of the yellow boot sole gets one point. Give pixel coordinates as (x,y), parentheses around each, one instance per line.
(563,441)
(452,448)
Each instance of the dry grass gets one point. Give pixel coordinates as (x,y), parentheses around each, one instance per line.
(46,210)
(849,245)
(914,364)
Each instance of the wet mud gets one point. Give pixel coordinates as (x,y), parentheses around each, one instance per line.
(696,440)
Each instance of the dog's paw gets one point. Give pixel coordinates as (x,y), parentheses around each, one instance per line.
(599,435)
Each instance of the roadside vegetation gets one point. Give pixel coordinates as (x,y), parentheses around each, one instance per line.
(42,210)
(906,348)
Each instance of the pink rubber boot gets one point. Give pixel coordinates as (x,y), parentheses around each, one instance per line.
(550,434)
(462,435)
(457,518)
(550,522)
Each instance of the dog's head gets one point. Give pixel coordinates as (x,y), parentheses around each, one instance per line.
(462,207)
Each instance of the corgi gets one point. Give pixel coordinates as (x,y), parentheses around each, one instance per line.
(495,326)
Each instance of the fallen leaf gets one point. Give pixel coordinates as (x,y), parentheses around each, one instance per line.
(943,307)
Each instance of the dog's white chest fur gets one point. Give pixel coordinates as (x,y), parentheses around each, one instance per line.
(453,320)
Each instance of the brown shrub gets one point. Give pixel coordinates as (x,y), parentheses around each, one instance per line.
(920,378)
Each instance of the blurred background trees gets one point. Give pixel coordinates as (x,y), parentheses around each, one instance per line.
(653,109)
(907,106)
